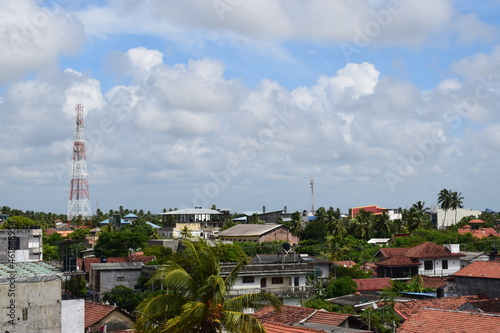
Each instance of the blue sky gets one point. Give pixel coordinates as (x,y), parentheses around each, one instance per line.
(239,103)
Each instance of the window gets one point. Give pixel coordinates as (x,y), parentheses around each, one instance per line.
(277,280)
(120,278)
(248,279)
(444,263)
(428,265)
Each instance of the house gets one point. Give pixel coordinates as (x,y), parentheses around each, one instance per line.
(425,259)
(105,318)
(445,321)
(285,275)
(477,229)
(313,319)
(376,210)
(322,267)
(444,218)
(31,300)
(105,276)
(21,244)
(480,277)
(258,233)
(200,222)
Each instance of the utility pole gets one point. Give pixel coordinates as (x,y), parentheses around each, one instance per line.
(312,194)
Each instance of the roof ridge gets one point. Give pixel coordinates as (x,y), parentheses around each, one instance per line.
(461,311)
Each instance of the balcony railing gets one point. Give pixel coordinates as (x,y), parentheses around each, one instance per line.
(262,269)
(302,291)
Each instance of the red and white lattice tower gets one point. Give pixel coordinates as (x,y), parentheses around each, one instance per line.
(79,199)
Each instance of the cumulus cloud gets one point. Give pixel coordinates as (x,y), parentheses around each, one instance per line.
(32,37)
(359,22)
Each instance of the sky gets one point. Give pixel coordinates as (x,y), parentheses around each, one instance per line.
(239,103)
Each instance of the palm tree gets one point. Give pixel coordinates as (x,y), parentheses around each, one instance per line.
(456,202)
(196,297)
(295,225)
(444,199)
(186,232)
(363,227)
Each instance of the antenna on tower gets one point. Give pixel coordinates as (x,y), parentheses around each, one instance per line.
(312,195)
(79,199)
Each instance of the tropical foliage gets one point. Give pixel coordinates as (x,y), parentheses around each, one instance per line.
(196,297)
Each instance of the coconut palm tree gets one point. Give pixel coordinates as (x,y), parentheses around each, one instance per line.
(186,232)
(296,225)
(444,200)
(456,202)
(196,297)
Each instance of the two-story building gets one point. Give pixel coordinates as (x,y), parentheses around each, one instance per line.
(258,233)
(199,221)
(425,259)
(284,275)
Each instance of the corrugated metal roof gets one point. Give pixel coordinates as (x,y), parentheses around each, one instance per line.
(116,265)
(249,230)
(192,211)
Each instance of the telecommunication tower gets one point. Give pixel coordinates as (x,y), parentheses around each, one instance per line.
(312,195)
(79,199)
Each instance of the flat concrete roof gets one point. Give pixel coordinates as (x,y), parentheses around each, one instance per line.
(247,230)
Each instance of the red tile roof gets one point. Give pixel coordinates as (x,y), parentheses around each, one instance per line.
(409,256)
(481,269)
(434,281)
(487,305)
(95,312)
(477,221)
(479,233)
(346,263)
(272,327)
(450,321)
(372,284)
(389,252)
(408,309)
(399,261)
(430,250)
(294,314)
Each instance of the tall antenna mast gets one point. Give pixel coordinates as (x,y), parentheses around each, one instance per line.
(312,194)
(79,199)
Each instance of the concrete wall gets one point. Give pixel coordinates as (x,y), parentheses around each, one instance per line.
(112,278)
(474,286)
(279,234)
(37,307)
(73,315)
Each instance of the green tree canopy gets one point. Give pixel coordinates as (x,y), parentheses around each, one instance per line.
(196,297)
(340,287)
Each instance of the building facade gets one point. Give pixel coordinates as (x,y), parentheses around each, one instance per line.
(25,245)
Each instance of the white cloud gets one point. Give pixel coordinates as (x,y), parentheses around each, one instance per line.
(33,37)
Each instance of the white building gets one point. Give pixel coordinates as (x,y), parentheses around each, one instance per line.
(282,275)
(442,219)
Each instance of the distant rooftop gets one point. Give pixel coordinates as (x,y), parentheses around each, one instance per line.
(192,211)
(28,271)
